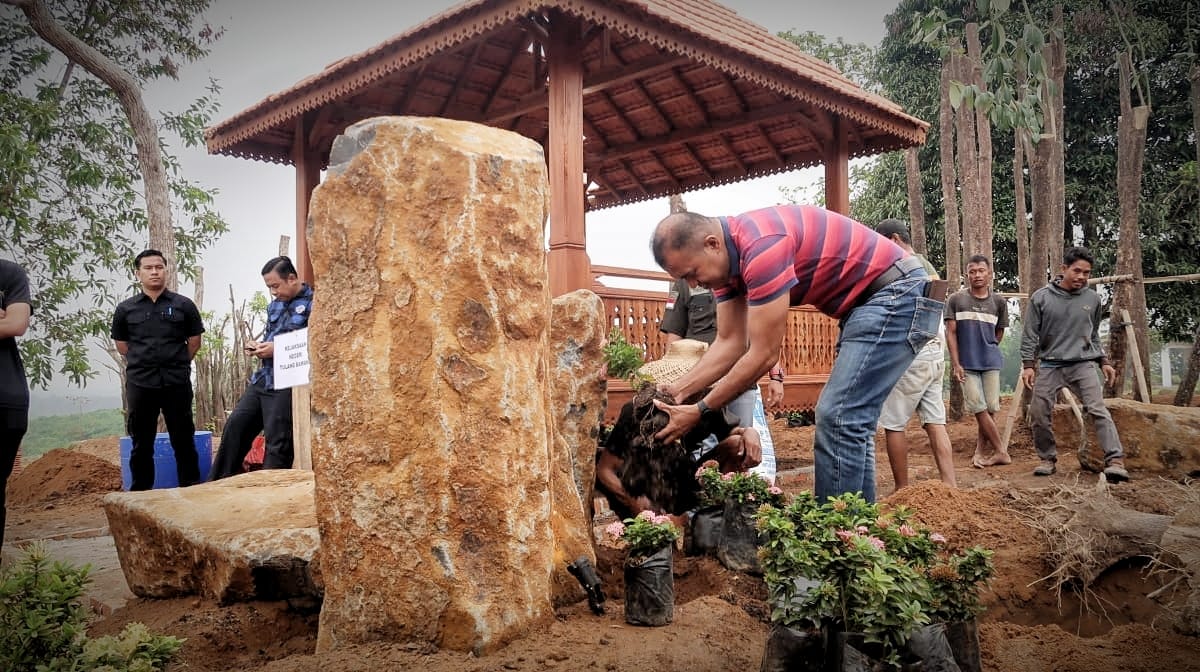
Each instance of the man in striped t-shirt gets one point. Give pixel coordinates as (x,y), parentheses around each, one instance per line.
(762,262)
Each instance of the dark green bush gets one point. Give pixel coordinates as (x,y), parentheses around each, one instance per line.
(43,620)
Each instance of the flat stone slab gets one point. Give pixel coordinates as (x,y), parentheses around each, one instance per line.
(249,537)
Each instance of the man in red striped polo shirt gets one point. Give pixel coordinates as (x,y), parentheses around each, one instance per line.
(760,263)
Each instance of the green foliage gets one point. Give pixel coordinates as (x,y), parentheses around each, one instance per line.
(42,621)
(1170,207)
(58,431)
(42,617)
(876,572)
(740,486)
(622,358)
(70,189)
(645,533)
(954,582)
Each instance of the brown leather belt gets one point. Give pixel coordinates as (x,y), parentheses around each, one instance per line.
(899,269)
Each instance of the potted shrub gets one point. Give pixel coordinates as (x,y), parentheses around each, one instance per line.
(706,523)
(649,584)
(955,581)
(854,571)
(742,492)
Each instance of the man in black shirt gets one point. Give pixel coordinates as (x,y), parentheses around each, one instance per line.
(158,333)
(14,390)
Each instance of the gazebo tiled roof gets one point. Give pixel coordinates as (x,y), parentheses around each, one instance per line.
(677,94)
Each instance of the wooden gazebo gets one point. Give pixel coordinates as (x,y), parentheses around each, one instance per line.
(642,98)
(631,99)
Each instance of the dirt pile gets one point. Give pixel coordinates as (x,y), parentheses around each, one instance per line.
(63,473)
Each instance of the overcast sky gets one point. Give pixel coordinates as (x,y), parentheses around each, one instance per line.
(269,45)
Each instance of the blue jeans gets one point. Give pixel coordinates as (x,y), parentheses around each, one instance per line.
(878,342)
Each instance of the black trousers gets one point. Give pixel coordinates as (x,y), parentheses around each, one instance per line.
(13,423)
(175,403)
(259,410)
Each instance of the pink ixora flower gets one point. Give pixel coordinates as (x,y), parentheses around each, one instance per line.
(615,529)
(709,464)
(647,515)
(727,476)
(877,543)
(844,535)
(906,530)
(659,520)
(775,490)
(861,529)
(750,497)
(937,538)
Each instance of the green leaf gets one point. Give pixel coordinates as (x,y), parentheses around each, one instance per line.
(956,94)
(999,7)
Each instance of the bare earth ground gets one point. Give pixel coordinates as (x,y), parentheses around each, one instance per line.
(721,621)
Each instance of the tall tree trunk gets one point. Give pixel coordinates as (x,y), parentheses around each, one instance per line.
(954,272)
(983,135)
(1041,266)
(1021,218)
(916,200)
(145,134)
(1056,57)
(1187,385)
(1131,151)
(967,156)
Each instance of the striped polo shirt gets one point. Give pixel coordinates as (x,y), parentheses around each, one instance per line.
(817,256)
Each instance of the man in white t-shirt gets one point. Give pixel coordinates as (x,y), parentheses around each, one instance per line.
(919,389)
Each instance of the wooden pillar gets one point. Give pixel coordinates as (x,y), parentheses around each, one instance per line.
(837,170)
(569,265)
(308,176)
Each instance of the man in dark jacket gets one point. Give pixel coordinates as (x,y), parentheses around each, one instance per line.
(263,407)
(158,333)
(1060,347)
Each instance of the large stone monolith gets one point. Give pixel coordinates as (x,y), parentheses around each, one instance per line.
(430,403)
(578,389)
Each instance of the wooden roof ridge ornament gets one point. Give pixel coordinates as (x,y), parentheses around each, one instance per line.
(631,100)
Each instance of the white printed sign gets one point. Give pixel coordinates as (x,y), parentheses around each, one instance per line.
(291,359)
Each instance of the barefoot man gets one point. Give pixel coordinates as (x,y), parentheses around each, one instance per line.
(975,323)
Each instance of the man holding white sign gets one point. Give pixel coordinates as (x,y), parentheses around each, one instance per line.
(267,403)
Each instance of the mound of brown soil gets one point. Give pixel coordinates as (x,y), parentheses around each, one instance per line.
(63,473)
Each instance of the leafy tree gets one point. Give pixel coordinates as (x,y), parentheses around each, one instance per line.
(1169,222)
(75,186)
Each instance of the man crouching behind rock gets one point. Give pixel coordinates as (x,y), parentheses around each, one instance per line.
(636,473)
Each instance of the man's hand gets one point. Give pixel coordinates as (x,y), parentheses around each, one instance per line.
(1028,375)
(1110,374)
(751,447)
(959,373)
(264,350)
(682,419)
(774,394)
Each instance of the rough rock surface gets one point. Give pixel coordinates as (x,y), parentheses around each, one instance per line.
(249,537)
(1158,439)
(430,400)
(578,391)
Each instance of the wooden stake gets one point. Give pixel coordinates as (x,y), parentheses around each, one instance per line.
(1013,411)
(1131,343)
(301,428)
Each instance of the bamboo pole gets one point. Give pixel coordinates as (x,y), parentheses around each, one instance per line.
(1139,374)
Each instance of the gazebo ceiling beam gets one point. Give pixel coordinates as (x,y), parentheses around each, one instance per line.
(684,135)
(733,152)
(468,65)
(616,110)
(599,81)
(687,93)
(637,181)
(520,48)
(666,169)
(770,145)
(708,174)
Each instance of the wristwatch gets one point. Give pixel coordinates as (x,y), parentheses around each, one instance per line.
(702,407)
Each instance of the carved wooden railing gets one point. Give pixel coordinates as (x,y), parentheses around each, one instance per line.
(808,344)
